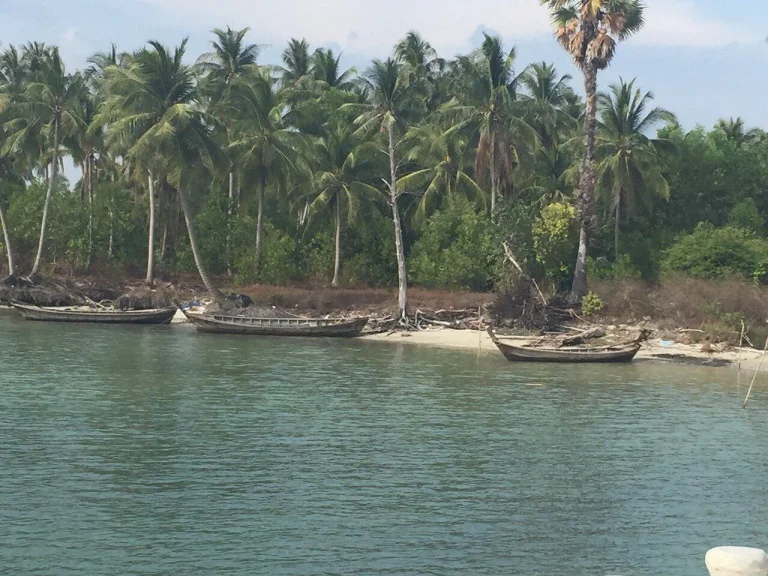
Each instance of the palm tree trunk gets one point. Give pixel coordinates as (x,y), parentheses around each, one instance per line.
(192,232)
(150,280)
(260,224)
(587,183)
(229,222)
(48,194)
(492,165)
(616,228)
(337,261)
(7,241)
(89,168)
(402,296)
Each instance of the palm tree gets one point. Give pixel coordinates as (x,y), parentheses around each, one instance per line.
(440,159)
(736,131)
(392,102)
(629,169)
(547,101)
(267,149)
(48,106)
(151,111)
(298,63)
(326,69)
(589,30)
(487,103)
(229,59)
(341,178)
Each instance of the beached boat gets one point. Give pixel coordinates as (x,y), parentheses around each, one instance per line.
(598,355)
(156,316)
(319,327)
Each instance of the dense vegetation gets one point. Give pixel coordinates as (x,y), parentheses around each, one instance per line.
(416,168)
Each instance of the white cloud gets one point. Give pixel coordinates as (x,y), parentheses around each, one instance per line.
(68,37)
(363,26)
(678,23)
(371,28)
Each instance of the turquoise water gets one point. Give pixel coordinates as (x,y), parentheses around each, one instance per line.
(158,451)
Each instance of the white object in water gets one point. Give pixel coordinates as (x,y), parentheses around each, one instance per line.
(736,561)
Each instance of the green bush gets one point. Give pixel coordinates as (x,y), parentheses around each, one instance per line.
(746,215)
(456,249)
(554,242)
(718,253)
(591,304)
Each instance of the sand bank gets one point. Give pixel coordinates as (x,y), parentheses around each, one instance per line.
(656,350)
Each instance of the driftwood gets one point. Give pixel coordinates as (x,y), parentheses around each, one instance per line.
(575,340)
(511,258)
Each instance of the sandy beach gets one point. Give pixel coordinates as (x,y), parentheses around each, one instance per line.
(656,350)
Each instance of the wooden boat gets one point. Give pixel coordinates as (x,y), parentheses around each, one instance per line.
(156,316)
(597,355)
(318,327)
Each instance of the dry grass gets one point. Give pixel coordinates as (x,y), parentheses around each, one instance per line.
(717,308)
(371,300)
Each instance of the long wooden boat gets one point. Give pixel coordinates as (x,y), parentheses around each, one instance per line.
(156,316)
(597,355)
(222,324)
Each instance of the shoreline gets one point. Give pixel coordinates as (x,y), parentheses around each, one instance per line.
(654,350)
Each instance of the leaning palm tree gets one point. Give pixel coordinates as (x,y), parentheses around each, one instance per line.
(265,147)
(486,102)
(589,30)
(48,106)
(342,171)
(151,111)
(440,160)
(392,102)
(629,168)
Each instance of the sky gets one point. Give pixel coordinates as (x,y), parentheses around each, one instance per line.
(702,59)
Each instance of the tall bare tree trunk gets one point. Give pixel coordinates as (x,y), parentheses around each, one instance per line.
(150,280)
(494,183)
(49,193)
(192,232)
(402,295)
(7,242)
(587,183)
(337,260)
(229,222)
(260,224)
(89,168)
(616,228)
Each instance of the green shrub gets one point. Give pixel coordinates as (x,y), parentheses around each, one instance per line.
(554,242)
(746,215)
(456,249)
(591,304)
(717,253)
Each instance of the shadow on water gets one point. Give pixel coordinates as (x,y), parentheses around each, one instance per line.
(142,450)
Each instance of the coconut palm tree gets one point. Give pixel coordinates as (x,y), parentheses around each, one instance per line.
(629,168)
(151,111)
(546,102)
(228,60)
(298,63)
(326,69)
(440,158)
(486,102)
(49,106)
(343,169)
(393,103)
(265,147)
(736,131)
(589,30)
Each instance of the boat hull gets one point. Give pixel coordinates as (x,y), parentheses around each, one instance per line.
(605,355)
(159,316)
(278,326)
